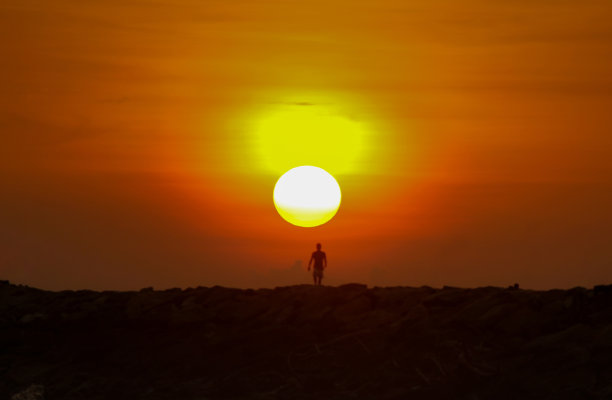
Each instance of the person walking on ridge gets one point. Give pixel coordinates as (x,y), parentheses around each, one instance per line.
(319,259)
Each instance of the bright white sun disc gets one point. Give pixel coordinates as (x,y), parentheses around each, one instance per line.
(307,196)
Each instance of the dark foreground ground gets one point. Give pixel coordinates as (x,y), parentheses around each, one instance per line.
(305,342)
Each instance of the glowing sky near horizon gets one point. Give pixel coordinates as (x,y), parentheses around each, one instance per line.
(140,141)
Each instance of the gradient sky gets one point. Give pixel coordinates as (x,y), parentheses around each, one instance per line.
(130,155)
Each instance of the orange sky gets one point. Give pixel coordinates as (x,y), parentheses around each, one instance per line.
(128,156)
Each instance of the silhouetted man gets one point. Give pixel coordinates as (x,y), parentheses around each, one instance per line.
(320,263)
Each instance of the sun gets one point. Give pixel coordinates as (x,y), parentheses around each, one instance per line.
(307,196)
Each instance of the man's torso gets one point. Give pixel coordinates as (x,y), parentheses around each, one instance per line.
(318,257)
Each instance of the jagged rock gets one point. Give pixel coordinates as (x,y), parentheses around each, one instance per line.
(31,317)
(305,342)
(34,392)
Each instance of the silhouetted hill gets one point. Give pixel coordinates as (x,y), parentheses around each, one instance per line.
(304,342)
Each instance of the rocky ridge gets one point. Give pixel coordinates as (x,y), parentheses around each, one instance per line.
(304,342)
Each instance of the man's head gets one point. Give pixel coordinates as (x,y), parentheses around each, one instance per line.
(318,246)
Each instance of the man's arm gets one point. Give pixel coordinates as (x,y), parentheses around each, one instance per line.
(324,260)
(310,262)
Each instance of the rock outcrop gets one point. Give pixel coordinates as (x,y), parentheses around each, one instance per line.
(303,342)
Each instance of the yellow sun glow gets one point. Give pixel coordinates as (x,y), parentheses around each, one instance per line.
(307,196)
(293,134)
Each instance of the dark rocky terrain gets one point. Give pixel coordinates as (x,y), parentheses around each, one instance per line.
(305,342)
